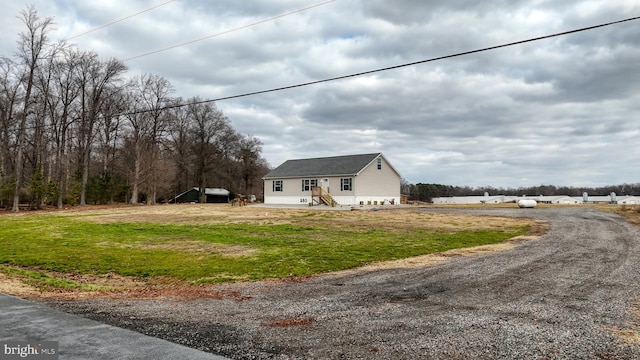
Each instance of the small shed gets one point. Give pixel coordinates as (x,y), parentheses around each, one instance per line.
(214,195)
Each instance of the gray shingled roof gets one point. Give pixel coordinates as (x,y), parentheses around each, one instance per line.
(327,166)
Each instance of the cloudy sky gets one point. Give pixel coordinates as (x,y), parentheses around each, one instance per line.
(561,111)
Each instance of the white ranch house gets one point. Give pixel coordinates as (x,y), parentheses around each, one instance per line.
(365,179)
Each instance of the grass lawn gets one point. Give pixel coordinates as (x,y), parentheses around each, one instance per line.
(208,245)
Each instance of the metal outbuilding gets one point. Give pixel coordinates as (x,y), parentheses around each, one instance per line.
(214,195)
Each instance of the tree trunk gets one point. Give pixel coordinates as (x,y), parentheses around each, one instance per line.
(61,160)
(151,198)
(136,174)
(32,44)
(21,140)
(19,165)
(86,156)
(203,190)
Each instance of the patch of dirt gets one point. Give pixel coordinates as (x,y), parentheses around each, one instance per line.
(630,334)
(185,214)
(627,335)
(113,286)
(15,287)
(434,259)
(180,293)
(398,218)
(297,321)
(189,246)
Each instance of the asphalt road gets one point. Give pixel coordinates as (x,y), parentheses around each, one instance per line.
(572,294)
(31,324)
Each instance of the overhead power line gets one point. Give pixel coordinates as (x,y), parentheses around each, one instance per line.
(119,20)
(231,30)
(396,66)
(382,69)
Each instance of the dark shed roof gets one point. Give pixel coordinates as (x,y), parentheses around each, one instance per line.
(327,166)
(214,195)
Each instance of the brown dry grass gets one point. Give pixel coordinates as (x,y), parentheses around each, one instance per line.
(185,214)
(629,212)
(189,246)
(16,287)
(117,286)
(631,334)
(538,229)
(198,214)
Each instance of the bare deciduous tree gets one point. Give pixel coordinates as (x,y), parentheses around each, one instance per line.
(148,98)
(99,81)
(32,46)
(63,96)
(179,146)
(249,158)
(208,125)
(59,106)
(10,97)
(155,98)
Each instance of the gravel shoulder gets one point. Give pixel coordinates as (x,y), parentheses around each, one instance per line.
(573,293)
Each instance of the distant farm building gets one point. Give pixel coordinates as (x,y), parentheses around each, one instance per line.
(629,200)
(498,199)
(556,199)
(559,199)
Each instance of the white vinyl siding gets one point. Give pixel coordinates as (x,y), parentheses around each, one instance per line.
(378,182)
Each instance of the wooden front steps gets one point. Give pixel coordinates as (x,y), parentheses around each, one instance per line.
(320,196)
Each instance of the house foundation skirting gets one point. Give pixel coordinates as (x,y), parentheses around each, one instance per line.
(341,200)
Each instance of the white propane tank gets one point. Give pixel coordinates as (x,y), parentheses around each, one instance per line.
(527,203)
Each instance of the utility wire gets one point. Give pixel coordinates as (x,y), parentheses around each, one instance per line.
(231,30)
(393,67)
(189,42)
(119,20)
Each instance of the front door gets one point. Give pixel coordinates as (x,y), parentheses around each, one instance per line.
(324,184)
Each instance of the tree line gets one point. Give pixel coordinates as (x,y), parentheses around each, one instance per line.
(75,129)
(426,192)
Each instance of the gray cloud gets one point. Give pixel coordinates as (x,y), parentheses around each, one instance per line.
(560,111)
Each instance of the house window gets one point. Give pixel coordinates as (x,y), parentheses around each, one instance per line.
(308,184)
(379,163)
(277,185)
(346,184)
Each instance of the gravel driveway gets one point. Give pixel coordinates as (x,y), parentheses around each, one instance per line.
(572,294)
